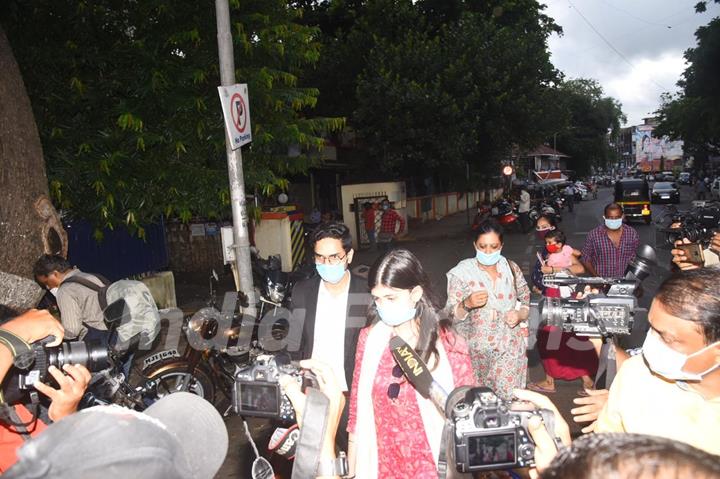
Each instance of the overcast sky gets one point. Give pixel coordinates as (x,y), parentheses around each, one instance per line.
(650,59)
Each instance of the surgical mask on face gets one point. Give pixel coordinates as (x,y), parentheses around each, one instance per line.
(396,314)
(53,291)
(613,224)
(668,363)
(553,248)
(332,273)
(385,207)
(488,259)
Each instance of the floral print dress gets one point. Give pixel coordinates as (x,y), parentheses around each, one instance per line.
(497,351)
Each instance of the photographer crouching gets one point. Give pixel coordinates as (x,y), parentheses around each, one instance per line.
(18,423)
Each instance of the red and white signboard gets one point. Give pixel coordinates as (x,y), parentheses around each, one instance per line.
(236,111)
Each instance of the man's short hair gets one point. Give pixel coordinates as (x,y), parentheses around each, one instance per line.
(613,206)
(333,230)
(599,456)
(694,296)
(49,263)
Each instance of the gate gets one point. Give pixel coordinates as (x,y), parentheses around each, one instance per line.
(364,240)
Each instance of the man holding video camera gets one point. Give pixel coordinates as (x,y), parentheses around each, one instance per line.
(673,390)
(16,422)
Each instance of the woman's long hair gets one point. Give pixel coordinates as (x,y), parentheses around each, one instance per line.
(402,270)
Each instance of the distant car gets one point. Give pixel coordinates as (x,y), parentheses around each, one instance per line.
(664,192)
(684,178)
(650,177)
(669,178)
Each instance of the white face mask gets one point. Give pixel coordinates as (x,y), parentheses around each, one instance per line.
(667,362)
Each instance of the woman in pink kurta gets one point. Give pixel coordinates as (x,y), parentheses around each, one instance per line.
(394,432)
(405,452)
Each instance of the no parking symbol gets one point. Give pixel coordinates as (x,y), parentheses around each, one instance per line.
(236,111)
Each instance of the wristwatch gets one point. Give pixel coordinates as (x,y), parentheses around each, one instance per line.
(334,467)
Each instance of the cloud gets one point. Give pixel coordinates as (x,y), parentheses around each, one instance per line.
(626,46)
(639,89)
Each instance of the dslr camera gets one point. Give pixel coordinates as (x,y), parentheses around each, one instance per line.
(611,312)
(94,356)
(257,390)
(492,434)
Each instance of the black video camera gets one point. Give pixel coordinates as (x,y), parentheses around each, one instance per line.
(489,433)
(611,312)
(257,390)
(697,225)
(94,356)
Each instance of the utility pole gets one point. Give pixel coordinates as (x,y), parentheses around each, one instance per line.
(241,238)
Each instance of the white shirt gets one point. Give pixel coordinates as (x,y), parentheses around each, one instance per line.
(329,340)
(524,206)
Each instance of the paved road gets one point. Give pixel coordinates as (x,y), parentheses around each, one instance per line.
(440,245)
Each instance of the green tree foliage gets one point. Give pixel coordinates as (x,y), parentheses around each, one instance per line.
(125,98)
(693,115)
(435,84)
(594,124)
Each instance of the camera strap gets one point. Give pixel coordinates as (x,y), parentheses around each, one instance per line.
(9,415)
(312,433)
(442,456)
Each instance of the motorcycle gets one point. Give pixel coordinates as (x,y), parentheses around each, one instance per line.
(483,213)
(503,211)
(543,209)
(209,370)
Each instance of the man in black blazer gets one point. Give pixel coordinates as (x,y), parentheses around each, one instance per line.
(331,308)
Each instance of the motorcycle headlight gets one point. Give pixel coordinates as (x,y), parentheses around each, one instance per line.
(277,294)
(196,324)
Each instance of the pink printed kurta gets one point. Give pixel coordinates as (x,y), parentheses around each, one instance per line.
(403,448)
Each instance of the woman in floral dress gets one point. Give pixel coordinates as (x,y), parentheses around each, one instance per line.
(488,300)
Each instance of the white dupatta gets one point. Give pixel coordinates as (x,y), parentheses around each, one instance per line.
(366,449)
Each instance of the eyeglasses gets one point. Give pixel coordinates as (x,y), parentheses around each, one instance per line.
(393,390)
(332,259)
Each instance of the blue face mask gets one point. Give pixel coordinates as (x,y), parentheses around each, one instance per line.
(395,316)
(332,273)
(486,259)
(613,224)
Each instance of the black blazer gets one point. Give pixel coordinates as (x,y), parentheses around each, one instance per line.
(304,308)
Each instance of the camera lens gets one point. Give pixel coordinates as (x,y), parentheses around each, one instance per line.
(641,264)
(93,356)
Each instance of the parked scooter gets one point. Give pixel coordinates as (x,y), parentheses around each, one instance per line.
(483,212)
(544,209)
(503,211)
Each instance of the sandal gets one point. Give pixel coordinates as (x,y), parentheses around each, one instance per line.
(540,389)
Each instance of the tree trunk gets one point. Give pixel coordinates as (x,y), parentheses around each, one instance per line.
(29,224)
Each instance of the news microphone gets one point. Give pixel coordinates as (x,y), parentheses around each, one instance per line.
(417,372)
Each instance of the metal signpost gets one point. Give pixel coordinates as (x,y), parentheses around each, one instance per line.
(238,134)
